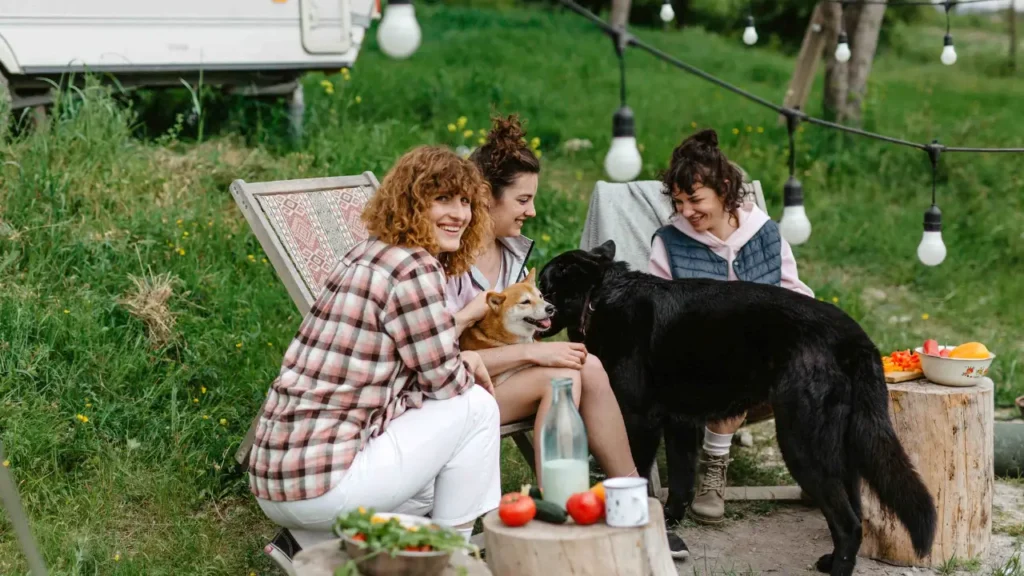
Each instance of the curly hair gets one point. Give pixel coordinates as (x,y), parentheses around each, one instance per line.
(398,212)
(505,155)
(699,160)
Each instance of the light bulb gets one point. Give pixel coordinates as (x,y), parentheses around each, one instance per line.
(843,48)
(931,251)
(667,13)
(948,51)
(750,33)
(398,33)
(794,225)
(623,162)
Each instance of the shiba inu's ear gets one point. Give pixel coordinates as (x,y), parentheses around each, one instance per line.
(495,300)
(531,277)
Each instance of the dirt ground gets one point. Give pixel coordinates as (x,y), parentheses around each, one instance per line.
(789,538)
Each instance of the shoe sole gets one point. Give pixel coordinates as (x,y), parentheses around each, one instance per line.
(681,555)
(706,520)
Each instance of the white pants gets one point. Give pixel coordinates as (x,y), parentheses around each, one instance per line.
(443,457)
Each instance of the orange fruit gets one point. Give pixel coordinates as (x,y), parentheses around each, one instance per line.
(972,350)
(598,489)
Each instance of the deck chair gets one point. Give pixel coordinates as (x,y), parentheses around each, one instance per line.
(630,213)
(305,227)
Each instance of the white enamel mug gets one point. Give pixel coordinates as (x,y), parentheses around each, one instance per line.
(625,502)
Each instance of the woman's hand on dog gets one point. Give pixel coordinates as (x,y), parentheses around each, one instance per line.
(479,371)
(559,354)
(472,312)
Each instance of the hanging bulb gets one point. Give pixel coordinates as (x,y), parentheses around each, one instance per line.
(667,13)
(750,33)
(623,161)
(931,251)
(843,48)
(948,51)
(794,225)
(398,33)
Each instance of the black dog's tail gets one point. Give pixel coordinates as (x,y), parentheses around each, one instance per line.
(881,459)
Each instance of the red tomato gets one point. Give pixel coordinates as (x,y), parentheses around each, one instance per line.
(516,509)
(931,347)
(584,507)
(360,537)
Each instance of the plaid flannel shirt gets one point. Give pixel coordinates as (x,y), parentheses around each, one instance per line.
(377,341)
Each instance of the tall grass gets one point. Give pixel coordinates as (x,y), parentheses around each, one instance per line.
(122,441)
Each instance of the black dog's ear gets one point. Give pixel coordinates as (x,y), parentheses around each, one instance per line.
(606,250)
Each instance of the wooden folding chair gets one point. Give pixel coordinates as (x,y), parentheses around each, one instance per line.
(305,227)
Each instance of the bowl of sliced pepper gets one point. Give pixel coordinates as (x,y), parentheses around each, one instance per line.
(382,544)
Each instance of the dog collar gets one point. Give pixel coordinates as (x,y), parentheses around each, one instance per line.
(588,309)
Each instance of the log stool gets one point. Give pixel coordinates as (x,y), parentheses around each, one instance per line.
(543,549)
(947,432)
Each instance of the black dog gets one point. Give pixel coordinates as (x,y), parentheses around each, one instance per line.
(681,352)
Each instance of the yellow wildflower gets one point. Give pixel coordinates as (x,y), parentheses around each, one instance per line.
(202,389)
(195,400)
(263,260)
(545,237)
(270,344)
(117,557)
(344,71)
(66,311)
(184,234)
(461,121)
(538,153)
(482,141)
(82,418)
(239,345)
(452,128)
(467,133)
(693,124)
(482,132)
(223,421)
(210,223)
(251,257)
(7,463)
(735,131)
(88,404)
(924,316)
(640,147)
(205,417)
(328,85)
(178,221)
(359,99)
(535,142)
(835,300)
(181,251)
(579,175)
(760,129)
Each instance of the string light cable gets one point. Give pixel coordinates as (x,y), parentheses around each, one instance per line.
(794,225)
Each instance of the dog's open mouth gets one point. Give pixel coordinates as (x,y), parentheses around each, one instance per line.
(542,323)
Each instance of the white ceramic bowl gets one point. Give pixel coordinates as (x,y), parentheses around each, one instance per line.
(953,371)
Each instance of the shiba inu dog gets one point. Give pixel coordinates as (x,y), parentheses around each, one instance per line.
(516,315)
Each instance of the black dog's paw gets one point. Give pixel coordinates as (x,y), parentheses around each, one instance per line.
(824,564)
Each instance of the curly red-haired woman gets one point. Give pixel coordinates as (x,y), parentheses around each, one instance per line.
(374,405)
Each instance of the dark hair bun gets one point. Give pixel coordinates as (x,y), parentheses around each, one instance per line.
(708,137)
(506,138)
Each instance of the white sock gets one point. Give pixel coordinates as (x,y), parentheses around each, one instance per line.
(466,533)
(716,444)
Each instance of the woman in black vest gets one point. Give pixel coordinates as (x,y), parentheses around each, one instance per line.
(715,234)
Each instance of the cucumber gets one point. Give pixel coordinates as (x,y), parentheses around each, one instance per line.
(549,512)
(546,511)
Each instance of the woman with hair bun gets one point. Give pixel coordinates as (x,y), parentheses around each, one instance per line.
(512,170)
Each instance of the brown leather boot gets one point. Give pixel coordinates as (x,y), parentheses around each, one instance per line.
(709,504)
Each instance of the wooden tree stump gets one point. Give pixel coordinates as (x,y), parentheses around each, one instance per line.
(947,432)
(542,549)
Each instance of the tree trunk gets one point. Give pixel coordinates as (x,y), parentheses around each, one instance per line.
(835,71)
(947,433)
(846,83)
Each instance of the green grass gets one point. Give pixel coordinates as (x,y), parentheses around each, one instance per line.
(147,485)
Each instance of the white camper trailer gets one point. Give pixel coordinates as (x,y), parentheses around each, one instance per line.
(256,47)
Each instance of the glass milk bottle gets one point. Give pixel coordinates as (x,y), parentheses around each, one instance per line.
(564,460)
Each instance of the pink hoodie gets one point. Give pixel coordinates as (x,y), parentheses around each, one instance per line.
(751,219)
